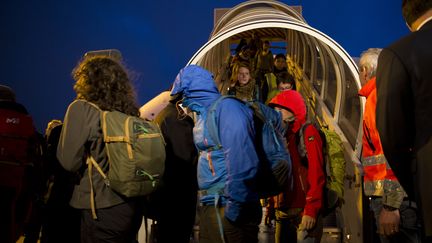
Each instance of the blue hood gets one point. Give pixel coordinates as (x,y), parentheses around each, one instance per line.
(197,86)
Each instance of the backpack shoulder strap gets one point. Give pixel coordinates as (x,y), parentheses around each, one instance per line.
(90,163)
(303,151)
(257,109)
(301,142)
(103,114)
(90,103)
(211,119)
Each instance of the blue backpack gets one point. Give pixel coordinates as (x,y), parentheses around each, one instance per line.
(274,174)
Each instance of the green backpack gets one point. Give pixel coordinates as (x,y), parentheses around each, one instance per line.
(136,154)
(334,165)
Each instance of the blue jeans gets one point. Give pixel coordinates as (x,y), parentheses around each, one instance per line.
(409,228)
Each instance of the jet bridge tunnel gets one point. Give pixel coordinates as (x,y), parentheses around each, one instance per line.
(325,74)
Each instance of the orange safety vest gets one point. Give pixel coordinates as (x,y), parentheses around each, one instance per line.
(376,169)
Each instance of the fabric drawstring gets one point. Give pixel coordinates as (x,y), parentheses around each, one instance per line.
(275,138)
(92,199)
(218,216)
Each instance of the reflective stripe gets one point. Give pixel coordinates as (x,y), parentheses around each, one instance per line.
(374,160)
(393,186)
(377,175)
(374,188)
(376,168)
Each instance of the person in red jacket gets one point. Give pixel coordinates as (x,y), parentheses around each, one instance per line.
(298,209)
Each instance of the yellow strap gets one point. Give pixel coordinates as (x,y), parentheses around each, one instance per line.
(150,135)
(128,145)
(104,127)
(109,139)
(92,201)
(99,169)
(90,163)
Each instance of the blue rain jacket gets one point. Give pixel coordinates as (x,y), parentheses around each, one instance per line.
(229,171)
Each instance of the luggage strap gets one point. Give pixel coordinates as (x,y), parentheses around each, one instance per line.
(90,163)
(219,219)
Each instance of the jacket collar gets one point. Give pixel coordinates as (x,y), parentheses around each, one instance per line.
(367,89)
(427,22)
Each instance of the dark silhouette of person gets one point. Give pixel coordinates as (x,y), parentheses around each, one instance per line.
(404,107)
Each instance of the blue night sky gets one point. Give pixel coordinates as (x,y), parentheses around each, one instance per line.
(41,41)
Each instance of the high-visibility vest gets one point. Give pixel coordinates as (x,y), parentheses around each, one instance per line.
(377,171)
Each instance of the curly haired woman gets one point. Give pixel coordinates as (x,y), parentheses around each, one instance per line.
(104,82)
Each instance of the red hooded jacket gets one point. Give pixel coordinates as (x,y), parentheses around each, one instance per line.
(308,181)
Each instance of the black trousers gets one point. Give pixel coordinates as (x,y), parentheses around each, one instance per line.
(117,224)
(244,231)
